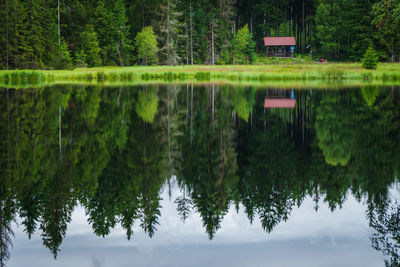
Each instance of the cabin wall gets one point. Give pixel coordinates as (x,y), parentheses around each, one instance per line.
(278,51)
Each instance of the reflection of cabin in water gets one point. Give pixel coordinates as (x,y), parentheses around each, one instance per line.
(279,46)
(292,109)
(284,99)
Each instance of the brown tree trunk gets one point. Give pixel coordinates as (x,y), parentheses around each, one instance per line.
(251,22)
(187,42)
(309,33)
(58,22)
(303,30)
(212,43)
(143,14)
(7,36)
(285,24)
(191,33)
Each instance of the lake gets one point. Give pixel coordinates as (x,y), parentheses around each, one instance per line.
(199,175)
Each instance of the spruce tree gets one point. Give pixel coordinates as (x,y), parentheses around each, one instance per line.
(170,32)
(370,59)
(90,46)
(111,26)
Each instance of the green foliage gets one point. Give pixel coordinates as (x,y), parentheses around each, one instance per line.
(267,166)
(65,59)
(146,46)
(111,25)
(370,59)
(334,131)
(192,31)
(90,47)
(251,49)
(224,57)
(327,27)
(80,59)
(146,105)
(243,102)
(385,236)
(243,47)
(170,28)
(386,19)
(370,94)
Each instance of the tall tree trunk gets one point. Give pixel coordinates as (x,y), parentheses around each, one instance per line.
(277,30)
(393,52)
(143,14)
(303,30)
(191,32)
(16,62)
(251,22)
(285,24)
(309,34)
(58,22)
(212,43)
(299,32)
(7,37)
(168,41)
(265,21)
(187,42)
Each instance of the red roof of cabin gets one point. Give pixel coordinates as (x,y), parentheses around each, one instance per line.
(280,103)
(284,41)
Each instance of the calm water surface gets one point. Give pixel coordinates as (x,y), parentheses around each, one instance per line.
(189,175)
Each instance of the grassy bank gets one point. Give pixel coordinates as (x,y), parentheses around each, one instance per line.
(261,74)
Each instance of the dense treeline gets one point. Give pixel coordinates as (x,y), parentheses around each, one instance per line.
(67,33)
(221,145)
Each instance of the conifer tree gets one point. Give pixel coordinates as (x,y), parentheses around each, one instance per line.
(370,59)
(113,32)
(170,32)
(90,47)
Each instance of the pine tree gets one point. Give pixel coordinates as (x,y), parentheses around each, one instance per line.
(19,49)
(6,232)
(91,47)
(326,20)
(170,32)
(370,59)
(63,60)
(113,32)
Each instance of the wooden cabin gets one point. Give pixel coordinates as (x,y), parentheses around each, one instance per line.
(279,46)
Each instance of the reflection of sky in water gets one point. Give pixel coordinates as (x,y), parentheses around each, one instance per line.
(307,239)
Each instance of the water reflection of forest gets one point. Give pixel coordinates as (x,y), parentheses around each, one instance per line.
(113,150)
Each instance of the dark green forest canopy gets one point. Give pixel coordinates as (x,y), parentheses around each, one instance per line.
(73,33)
(219,142)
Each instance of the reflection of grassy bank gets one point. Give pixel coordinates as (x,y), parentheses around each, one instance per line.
(315,84)
(260,74)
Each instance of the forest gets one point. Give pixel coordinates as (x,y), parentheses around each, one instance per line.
(64,34)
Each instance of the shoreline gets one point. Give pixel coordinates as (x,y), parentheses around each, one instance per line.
(305,73)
